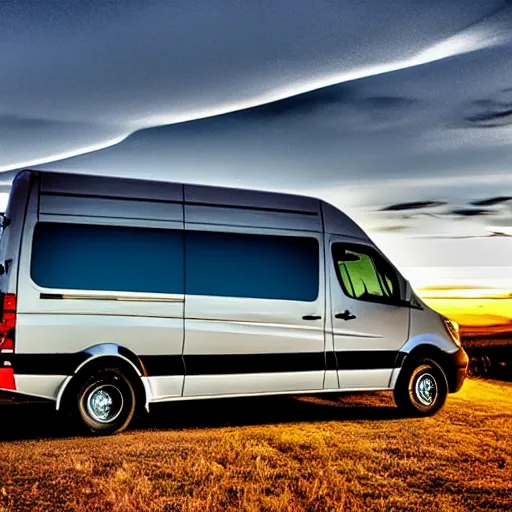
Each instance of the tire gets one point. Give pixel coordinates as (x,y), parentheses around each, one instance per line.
(421,389)
(105,402)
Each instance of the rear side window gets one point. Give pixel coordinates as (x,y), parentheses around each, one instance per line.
(257,266)
(108,258)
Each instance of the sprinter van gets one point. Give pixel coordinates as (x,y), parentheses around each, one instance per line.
(118,293)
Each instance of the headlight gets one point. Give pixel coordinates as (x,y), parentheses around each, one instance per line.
(452,328)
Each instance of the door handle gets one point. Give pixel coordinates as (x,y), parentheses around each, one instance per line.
(311,317)
(346,315)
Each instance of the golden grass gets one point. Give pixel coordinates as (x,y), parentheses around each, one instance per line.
(272,454)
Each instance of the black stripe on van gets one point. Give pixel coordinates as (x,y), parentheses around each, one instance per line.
(368,359)
(45,364)
(161,365)
(218,364)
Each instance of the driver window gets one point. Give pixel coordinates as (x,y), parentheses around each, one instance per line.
(365,275)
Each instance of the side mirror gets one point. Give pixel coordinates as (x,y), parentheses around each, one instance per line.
(404,303)
(415,303)
(4,221)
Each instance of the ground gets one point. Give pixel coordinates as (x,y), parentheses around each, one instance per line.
(351,452)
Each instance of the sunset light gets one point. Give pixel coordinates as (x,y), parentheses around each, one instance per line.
(255,256)
(482,312)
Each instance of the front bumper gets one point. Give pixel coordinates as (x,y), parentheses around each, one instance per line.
(459,362)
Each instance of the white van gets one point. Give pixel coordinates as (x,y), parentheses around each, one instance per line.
(119,293)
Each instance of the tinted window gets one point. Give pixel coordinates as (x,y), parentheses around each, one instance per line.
(88,257)
(258,266)
(365,275)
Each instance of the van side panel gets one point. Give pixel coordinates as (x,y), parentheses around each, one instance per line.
(56,324)
(251,209)
(228,344)
(246,344)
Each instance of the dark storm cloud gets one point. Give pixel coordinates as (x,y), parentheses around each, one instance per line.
(327,99)
(492,201)
(129,65)
(493,210)
(395,126)
(491,112)
(416,205)
(471,212)
(500,234)
(302,104)
(366,104)
(387,229)
(494,234)
(357,105)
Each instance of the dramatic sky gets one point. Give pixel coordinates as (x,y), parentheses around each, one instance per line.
(397,111)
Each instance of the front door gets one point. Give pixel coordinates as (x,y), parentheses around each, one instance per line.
(369,321)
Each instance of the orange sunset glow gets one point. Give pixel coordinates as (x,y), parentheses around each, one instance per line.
(482,312)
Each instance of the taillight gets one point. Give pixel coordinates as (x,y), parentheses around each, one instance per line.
(7,380)
(8,323)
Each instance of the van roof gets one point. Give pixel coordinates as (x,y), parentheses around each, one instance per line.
(67,184)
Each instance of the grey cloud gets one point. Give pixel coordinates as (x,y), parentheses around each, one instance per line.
(338,100)
(343,143)
(471,212)
(492,201)
(29,139)
(492,118)
(92,73)
(388,229)
(494,234)
(415,205)
(302,104)
(131,65)
(491,112)
(500,233)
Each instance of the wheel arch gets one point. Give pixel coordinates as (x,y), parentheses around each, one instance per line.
(101,356)
(434,353)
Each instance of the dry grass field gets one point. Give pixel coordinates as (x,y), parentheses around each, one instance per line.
(349,452)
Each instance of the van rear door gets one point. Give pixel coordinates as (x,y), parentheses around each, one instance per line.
(10,239)
(11,231)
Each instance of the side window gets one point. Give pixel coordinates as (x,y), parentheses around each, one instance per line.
(250,265)
(108,258)
(365,275)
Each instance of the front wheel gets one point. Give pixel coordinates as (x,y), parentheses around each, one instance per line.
(421,389)
(106,402)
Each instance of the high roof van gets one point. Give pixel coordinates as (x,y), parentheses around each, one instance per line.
(117,294)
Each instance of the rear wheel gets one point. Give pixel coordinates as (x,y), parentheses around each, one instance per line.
(105,402)
(421,389)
